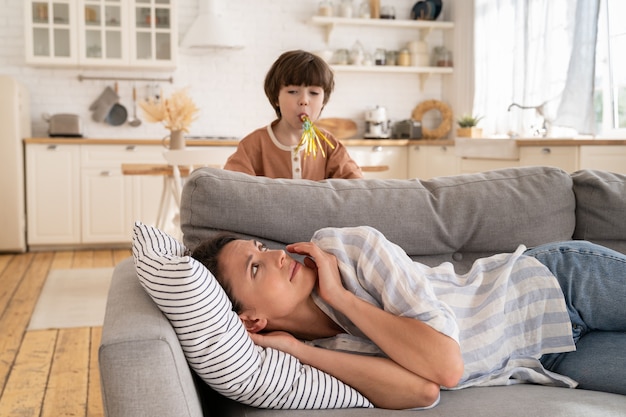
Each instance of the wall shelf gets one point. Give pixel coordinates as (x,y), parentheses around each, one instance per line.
(423,26)
(423,72)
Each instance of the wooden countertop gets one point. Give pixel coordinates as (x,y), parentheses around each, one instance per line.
(569,142)
(229,142)
(347,142)
(106,141)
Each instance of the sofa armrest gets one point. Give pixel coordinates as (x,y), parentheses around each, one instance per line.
(143,370)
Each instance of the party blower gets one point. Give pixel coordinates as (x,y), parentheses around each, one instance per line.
(311,136)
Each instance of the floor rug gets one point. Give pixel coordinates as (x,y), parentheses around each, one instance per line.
(72,298)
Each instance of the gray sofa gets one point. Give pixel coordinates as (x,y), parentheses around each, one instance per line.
(455,219)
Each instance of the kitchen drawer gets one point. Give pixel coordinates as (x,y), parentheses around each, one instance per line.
(607,158)
(564,157)
(107,155)
(432,161)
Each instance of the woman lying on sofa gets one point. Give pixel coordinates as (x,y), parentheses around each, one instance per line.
(397,330)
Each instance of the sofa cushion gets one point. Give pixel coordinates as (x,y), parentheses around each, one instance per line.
(600,202)
(214,340)
(476,213)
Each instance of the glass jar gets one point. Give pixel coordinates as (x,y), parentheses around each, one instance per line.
(380,57)
(345,8)
(325,8)
(341,57)
(443,57)
(357,54)
(387,12)
(391,58)
(404,58)
(364,10)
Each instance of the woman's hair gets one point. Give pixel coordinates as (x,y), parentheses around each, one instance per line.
(207,254)
(298,68)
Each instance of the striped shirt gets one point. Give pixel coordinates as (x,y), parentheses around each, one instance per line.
(505,313)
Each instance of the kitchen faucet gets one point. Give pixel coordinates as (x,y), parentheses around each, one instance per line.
(545,127)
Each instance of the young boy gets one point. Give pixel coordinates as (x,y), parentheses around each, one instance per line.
(397,330)
(298,83)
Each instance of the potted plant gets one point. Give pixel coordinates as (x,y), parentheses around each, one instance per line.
(467,126)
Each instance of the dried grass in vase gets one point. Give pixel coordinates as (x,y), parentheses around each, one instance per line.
(176,112)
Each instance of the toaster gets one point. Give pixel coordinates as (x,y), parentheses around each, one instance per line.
(67,125)
(407,129)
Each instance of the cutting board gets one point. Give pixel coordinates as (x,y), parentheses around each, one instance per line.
(340,128)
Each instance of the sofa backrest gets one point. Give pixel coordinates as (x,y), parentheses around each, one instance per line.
(454,218)
(601,208)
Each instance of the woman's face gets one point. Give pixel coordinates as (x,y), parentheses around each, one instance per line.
(295,101)
(269,283)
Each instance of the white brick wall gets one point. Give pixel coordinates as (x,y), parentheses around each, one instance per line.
(227,85)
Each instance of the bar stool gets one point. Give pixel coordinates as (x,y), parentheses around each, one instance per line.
(183,162)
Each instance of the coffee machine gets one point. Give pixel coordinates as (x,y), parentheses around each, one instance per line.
(377,125)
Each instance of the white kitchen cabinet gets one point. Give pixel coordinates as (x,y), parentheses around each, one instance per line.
(564,157)
(102,33)
(50,32)
(380,161)
(607,157)
(53,194)
(106,197)
(428,161)
(111,201)
(103,28)
(78,196)
(154,33)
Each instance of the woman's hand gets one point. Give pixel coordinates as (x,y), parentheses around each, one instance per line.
(329,283)
(279,340)
(410,343)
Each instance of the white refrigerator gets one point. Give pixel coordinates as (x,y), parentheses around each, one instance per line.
(14,127)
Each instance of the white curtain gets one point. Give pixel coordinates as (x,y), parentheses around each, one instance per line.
(538,54)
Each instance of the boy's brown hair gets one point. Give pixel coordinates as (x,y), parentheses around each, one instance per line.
(298,68)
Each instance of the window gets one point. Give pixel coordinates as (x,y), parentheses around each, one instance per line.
(610,78)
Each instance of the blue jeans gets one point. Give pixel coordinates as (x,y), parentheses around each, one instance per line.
(593,279)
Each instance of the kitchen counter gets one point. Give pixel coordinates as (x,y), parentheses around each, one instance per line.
(89,141)
(347,142)
(569,142)
(232,142)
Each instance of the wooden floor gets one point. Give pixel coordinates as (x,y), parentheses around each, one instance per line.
(46,373)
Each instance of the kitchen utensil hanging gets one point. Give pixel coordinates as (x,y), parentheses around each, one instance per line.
(135,121)
(118,114)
